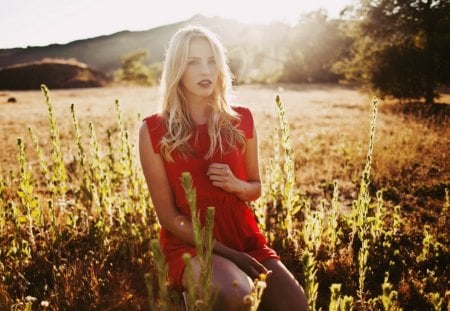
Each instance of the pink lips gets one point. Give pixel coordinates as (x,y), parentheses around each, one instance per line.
(205,83)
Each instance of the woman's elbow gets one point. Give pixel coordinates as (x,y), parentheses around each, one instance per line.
(256,193)
(178,225)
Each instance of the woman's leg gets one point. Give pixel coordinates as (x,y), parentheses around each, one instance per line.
(230,282)
(283,292)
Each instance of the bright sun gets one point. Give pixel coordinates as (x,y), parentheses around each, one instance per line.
(267,11)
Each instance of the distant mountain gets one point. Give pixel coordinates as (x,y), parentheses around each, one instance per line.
(104,53)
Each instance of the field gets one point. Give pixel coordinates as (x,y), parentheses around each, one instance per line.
(76,221)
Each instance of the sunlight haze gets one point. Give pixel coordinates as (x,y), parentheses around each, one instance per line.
(38,23)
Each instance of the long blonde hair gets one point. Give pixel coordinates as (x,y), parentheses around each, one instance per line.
(222,127)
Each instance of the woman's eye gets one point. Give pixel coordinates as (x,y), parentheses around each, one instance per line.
(212,62)
(193,62)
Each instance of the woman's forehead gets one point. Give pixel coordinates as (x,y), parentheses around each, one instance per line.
(200,47)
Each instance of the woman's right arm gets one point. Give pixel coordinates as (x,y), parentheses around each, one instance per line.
(168,215)
(158,185)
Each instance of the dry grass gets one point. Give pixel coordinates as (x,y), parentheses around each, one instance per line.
(329,127)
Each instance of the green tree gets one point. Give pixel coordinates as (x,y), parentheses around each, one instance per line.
(133,70)
(400,47)
(315,43)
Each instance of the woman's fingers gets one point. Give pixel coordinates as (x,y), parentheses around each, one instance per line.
(259,267)
(250,265)
(217,169)
(221,176)
(253,273)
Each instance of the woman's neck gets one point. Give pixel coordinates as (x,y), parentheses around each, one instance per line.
(199,111)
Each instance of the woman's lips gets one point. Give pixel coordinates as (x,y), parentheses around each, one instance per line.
(205,83)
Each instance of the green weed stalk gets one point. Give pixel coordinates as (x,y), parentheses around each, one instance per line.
(86,184)
(312,233)
(163,296)
(25,192)
(59,176)
(203,237)
(389,296)
(42,161)
(339,302)
(332,227)
(255,297)
(191,291)
(291,197)
(125,165)
(361,226)
(310,273)
(100,179)
(378,223)
(2,204)
(437,301)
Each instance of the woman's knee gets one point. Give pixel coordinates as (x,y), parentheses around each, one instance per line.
(234,296)
(283,292)
(232,285)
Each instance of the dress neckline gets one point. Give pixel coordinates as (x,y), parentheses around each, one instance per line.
(201,127)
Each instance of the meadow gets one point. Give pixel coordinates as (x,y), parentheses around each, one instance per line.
(355,199)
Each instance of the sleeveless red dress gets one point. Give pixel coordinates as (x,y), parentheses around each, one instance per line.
(234,224)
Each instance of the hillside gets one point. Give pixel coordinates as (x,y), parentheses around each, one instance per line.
(103,53)
(55,73)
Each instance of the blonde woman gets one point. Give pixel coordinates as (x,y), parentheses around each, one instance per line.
(199,132)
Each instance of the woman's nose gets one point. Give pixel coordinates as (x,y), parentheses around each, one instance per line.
(204,68)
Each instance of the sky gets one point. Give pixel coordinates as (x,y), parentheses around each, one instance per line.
(41,22)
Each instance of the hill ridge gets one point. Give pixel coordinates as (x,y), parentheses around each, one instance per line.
(104,52)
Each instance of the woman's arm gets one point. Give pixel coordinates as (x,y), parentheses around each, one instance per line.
(168,215)
(222,176)
(158,185)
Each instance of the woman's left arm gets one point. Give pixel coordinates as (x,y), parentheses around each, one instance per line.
(222,176)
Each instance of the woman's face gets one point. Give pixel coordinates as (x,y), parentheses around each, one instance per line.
(200,75)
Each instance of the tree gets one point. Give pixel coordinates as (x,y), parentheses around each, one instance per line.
(133,70)
(400,47)
(313,46)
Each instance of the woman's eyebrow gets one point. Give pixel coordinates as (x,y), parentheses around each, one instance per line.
(196,57)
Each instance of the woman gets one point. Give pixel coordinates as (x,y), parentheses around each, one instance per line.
(199,132)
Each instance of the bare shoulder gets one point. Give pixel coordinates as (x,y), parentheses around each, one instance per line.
(145,142)
(143,131)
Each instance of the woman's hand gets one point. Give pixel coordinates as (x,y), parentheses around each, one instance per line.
(249,265)
(221,176)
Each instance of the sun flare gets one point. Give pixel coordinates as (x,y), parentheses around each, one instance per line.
(53,21)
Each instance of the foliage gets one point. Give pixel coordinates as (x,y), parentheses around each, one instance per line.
(259,59)
(400,47)
(134,71)
(304,52)
(314,44)
(201,295)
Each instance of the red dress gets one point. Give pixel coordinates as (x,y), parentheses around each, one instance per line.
(234,224)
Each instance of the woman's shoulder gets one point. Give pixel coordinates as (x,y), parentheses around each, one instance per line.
(246,120)
(156,128)
(242,110)
(155,118)
(155,122)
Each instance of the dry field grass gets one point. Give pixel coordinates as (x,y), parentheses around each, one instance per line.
(329,130)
